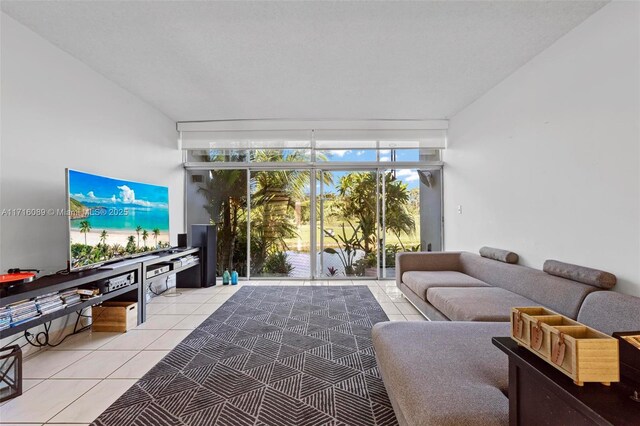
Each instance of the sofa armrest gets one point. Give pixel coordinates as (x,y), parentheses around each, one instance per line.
(426,261)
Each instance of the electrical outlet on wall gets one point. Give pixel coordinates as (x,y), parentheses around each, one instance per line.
(459,208)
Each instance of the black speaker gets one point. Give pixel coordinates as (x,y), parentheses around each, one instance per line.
(205,237)
(182,240)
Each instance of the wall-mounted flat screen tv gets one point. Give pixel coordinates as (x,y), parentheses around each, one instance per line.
(112,219)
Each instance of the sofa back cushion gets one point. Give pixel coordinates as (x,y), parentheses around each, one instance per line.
(609,311)
(500,255)
(559,294)
(581,274)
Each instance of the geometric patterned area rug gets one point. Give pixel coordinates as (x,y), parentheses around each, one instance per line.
(270,355)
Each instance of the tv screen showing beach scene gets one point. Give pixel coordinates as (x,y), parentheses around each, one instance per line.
(111,219)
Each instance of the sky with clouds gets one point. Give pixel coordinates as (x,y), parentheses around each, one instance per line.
(370,155)
(94,189)
(408,176)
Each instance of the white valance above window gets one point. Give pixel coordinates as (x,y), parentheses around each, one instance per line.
(384,139)
(275,134)
(252,139)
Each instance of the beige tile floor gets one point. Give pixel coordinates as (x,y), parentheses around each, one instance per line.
(76,381)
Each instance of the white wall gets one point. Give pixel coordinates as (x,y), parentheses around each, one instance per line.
(547,163)
(58,113)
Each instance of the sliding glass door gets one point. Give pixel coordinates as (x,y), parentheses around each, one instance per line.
(280,225)
(349,214)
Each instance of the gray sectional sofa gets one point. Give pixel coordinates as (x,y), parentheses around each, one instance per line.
(461,286)
(449,373)
(446,371)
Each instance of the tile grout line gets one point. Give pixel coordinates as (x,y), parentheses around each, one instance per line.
(89,352)
(80,396)
(100,380)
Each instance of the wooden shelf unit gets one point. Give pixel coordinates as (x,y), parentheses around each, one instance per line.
(61,282)
(188,276)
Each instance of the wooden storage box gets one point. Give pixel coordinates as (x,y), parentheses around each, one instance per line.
(114,316)
(580,352)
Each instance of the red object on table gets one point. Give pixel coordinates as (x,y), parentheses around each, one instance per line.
(17,278)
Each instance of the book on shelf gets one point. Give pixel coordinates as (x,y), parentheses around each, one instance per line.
(18,316)
(49,300)
(69,292)
(22,305)
(18,306)
(21,312)
(53,309)
(22,321)
(70,297)
(48,296)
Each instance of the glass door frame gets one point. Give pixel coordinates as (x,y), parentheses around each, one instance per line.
(261,167)
(319,249)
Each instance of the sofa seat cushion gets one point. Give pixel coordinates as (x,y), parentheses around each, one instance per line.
(476,304)
(421,281)
(443,373)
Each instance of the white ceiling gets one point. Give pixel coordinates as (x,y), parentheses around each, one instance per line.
(304,60)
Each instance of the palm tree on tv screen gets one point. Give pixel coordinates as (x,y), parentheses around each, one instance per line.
(145,236)
(131,244)
(103,237)
(138,229)
(156,234)
(85,227)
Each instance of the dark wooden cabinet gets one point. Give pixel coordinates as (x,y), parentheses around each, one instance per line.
(60,282)
(541,395)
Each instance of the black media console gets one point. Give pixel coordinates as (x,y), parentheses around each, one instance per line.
(112,284)
(187,275)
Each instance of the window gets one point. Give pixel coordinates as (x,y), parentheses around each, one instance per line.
(337,206)
(346,155)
